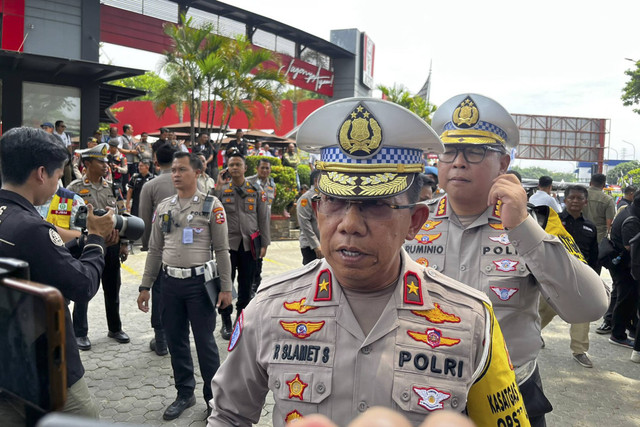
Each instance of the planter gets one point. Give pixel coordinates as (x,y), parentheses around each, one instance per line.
(281,228)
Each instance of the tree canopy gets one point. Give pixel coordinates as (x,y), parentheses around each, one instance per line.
(617,174)
(401,96)
(631,91)
(535,172)
(150,82)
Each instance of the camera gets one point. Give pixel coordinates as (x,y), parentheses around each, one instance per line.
(129,226)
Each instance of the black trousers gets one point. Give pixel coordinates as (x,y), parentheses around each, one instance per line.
(243,262)
(156,302)
(624,311)
(257,277)
(308,255)
(186,302)
(111,288)
(534,399)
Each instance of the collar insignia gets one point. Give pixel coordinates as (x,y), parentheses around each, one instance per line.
(323,286)
(412,289)
(437,315)
(441,210)
(360,135)
(496,209)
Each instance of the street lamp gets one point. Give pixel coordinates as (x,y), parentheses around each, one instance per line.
(615,151)
(632,146)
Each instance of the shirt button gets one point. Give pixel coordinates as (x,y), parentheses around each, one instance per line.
(487,267)
(463,268)
(434,266)
(366,349)
(454,402)
(320,388)
(276,384)
(405,396)
(362,406)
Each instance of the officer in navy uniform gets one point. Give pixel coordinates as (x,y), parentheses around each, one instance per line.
(266,183)
(94,189)
(248,214)
(481,234)
(366,326)
(185,228)
(32,162)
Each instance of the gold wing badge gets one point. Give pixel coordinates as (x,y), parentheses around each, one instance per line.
(466,114)
(360,134)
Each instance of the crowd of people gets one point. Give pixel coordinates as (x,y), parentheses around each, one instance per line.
(422,288)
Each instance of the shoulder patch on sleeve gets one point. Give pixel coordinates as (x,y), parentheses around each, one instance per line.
(55,237)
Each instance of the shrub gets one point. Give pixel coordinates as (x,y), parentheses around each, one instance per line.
(285,179)
(304,173)
(252,163)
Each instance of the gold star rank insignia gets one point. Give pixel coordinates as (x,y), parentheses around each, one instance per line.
(296,387)
(412,289)
(323,286)
(301,330)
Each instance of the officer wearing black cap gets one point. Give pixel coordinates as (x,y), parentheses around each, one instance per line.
(247,210)
(366,326)
(94,189)
(482,234)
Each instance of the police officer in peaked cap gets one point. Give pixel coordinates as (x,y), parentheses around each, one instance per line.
(482,234)
(366,326)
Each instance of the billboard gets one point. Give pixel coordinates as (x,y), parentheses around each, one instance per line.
(561,138)
(368,57)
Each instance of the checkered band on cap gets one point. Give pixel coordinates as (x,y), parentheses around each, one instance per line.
(485,126)
(386,155)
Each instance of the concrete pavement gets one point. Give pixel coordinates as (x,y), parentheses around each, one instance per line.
(132,384)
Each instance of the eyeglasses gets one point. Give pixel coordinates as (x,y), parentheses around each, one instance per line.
(369,209)
(472,153)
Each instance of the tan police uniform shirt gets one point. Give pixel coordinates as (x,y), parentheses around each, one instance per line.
(512,268)
(245,215)
(269,187)
(309,233)
(299,338)
(153,192)
(190,238)
(99,195)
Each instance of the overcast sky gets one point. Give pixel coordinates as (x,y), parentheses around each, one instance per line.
(564,58)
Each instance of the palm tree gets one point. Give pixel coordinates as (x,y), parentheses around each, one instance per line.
(401,96)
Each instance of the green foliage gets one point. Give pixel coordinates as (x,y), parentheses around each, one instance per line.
(401,96)
(149,82)
(304,174)
(632,177)
(252,164)
(536,172)
(631,91)
(618,173)
(286,191)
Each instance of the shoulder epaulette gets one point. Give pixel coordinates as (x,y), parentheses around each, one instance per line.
(448,282)
(284,278)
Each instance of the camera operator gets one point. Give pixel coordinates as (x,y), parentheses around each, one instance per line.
(32,162)
(94,189)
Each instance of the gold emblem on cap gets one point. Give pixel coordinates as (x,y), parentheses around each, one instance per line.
(104,150)
(360,134)
(466,114)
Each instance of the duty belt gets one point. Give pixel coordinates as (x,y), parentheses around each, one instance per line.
(184,273)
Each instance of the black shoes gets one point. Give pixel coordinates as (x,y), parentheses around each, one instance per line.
(119,336)
(603,329)
(178,406)
(83,343)
(225,331)
(159,343)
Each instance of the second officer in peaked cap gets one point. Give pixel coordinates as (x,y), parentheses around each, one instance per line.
(482,234)
(366,326)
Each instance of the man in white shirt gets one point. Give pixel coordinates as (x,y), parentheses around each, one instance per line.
(543,195)
(60,133)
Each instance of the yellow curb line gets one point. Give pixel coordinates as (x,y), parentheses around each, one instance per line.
(275,262)
(130,270)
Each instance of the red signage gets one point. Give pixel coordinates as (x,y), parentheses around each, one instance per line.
(304,75)
(368,57)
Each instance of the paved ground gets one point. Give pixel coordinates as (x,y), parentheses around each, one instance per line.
(131,384)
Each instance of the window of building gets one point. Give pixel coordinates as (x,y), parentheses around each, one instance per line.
(49,103)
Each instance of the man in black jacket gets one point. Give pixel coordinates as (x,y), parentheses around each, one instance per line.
(32,162)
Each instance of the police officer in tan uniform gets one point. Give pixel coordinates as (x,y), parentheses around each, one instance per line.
(94,189)
(481,234)
(267,185)
(309,233)
(185,228)
(249,235)
(366,326)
